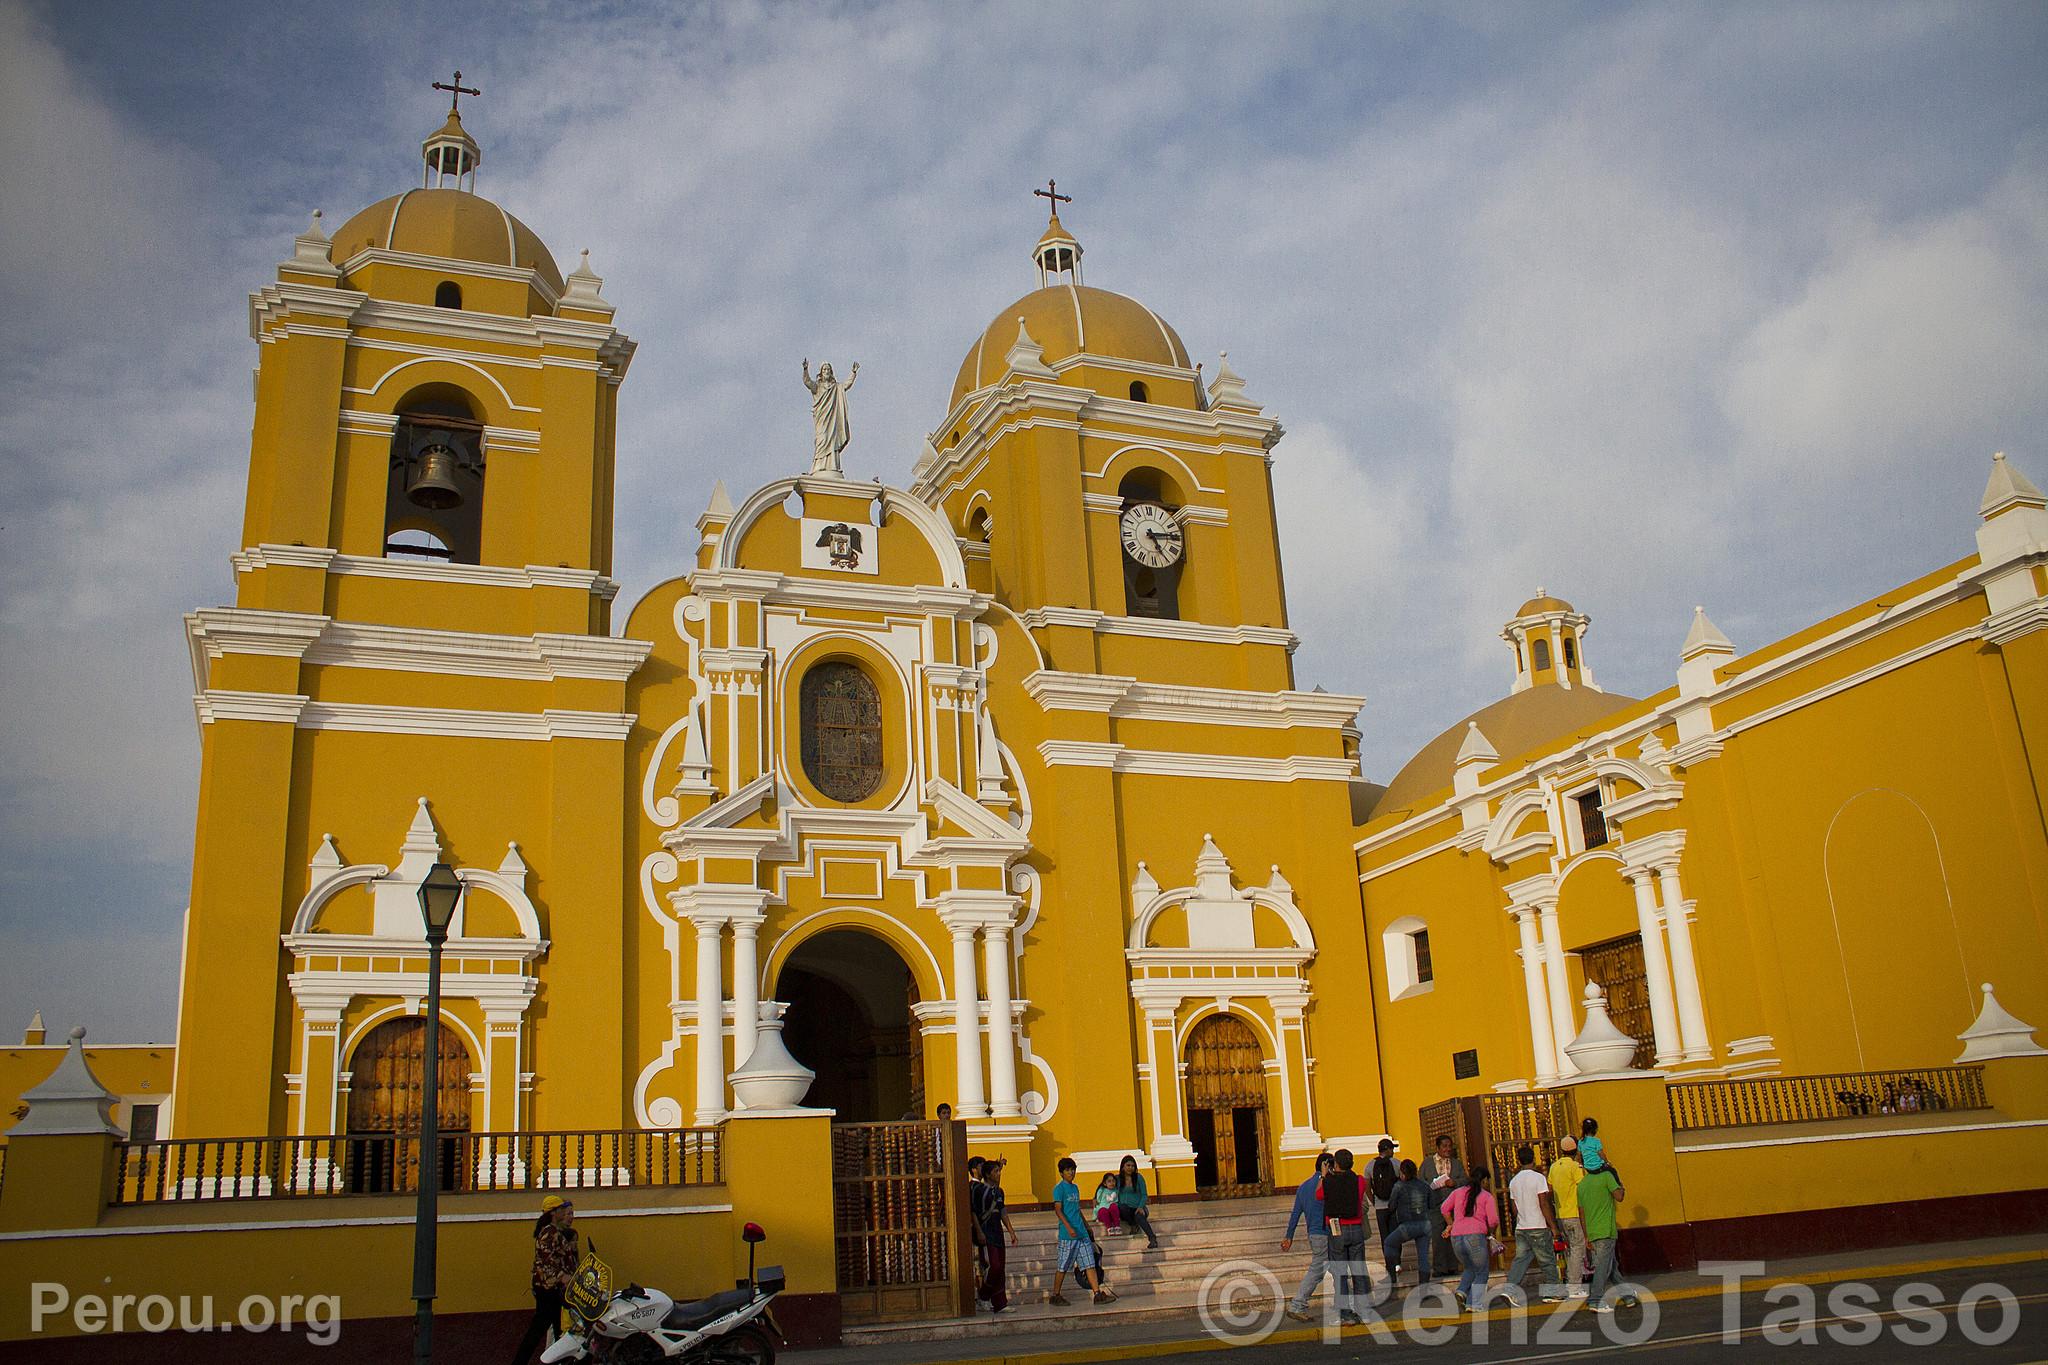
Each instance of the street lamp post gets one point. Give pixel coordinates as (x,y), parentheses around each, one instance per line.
(439,894)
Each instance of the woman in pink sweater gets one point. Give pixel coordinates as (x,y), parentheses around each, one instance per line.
(1474,1216)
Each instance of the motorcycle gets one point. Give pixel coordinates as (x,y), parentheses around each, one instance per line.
(635,1325)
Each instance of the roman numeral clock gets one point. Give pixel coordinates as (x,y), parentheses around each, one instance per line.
(1153,549)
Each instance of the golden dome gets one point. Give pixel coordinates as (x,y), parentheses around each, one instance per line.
(453,224)
(1065,320)
(1514,725)
(1544,602)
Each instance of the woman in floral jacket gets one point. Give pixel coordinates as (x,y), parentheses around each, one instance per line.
(554,1265)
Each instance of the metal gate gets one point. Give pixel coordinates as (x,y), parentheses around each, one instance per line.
(899,1216)
(1488,1128)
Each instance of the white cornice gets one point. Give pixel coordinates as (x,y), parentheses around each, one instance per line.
(1128,699)
(1198,632)
(424,571)
(1164,763)
(217,704)
(775,589)
(443,265)
(325,642)
(369,718)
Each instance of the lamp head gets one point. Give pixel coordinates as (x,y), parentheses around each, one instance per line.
(439,894)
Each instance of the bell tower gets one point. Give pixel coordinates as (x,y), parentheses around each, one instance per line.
(1103,491)
(419,639)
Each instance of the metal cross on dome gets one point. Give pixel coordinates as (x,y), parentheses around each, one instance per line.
(456,92)
(1051,194)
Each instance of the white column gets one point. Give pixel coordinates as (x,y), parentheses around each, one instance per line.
(746,987)
(1562,1026)
(1663,1015)
(1557,655)
(710,1021)
(1543,1041)
(1685,972)
(1002,1027)
(967,1099)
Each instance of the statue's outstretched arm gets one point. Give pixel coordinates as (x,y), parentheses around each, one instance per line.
(809,383)
(853,374)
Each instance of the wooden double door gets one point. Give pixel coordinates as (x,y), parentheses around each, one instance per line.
(1617,967)
(389,1081)
(1226,1099)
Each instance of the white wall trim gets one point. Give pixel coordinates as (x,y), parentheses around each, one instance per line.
(377,1221)
(1683,1148)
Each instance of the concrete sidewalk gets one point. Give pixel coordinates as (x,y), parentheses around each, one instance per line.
(1183,1333)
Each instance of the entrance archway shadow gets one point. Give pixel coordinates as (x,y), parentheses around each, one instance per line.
(848,998)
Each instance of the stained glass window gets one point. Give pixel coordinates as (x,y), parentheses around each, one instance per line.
(840,720)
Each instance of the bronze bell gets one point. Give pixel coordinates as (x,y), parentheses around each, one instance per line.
(430,482)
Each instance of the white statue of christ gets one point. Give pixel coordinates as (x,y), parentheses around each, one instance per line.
(828,416)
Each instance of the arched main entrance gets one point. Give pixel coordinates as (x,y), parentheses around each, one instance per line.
(849,1019)
(1226,1097)
(387,1084)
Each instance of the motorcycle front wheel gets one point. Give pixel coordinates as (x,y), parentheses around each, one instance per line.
(747,1345)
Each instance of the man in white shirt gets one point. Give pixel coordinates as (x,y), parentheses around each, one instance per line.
(1535,1228)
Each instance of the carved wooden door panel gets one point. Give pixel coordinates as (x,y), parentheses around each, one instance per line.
(1226,1097)
(1616,966)
(387,1080)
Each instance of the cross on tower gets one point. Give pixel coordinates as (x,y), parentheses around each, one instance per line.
(456,92)
(1051,194)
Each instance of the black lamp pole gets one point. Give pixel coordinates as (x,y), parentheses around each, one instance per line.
(439,894)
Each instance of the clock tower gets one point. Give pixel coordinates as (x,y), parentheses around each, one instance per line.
(1104,493)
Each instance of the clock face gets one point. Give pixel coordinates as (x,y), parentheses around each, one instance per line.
(1151,536)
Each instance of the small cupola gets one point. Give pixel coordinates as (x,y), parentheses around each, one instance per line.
(1548,636)
(450,154)
(1058,253)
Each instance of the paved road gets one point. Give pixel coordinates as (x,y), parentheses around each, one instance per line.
(2011,1309)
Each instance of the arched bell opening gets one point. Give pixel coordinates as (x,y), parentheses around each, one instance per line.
(849,1016)
(1153,543)
(436,484)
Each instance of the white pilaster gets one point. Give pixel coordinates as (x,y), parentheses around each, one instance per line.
(710,1020)
(1685,975)
(969,1102)
(1543,1041)
(746,987)
(1663,1014)
(1562,1027)
(1002,1026)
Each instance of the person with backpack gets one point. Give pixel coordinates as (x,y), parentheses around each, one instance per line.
(1408,1208)
(1382,1176)
(1345,1201)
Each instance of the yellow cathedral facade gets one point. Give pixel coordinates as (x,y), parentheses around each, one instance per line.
(997,790)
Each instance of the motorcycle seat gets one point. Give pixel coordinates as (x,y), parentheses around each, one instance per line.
(688,1315)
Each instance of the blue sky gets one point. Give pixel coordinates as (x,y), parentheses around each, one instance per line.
(1725,304)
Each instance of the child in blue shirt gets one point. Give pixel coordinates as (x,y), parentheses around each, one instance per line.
(1592,1152)
(1076,1247)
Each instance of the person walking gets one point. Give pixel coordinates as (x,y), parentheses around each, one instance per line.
(1599,1193)
(1473,1216)
(554,1265)
(1565,1175)
(1132,1198)
(1077,1252)
(1442,1172)
(1382,1176)
(1408,1212)
(1535,1229)
(1345,1203)
(1308,1208)
(995,1228)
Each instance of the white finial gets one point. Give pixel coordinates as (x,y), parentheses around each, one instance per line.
(1996,1033)
(2007,488)
(1601,1050)
(71,1102)
(1226,390)
(1025,355)
(1704,637)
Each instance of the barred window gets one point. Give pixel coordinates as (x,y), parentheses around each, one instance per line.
(841,726)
